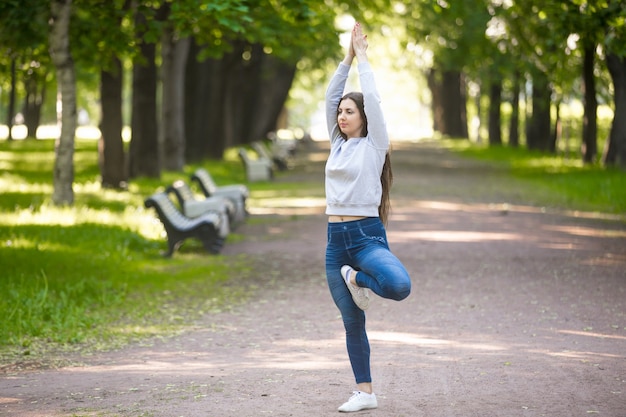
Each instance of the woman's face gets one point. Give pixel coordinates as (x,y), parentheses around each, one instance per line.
(349,119)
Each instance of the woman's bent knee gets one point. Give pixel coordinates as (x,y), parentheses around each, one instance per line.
(401,291)
(401,295)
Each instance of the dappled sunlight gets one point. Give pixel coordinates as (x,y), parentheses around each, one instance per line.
(287,206)
(293,354)
(580,355)
(503,208)
(453,236)
(13,184)
(289,202)
(497,223)
(9,400)
(35,243)
(286,211)
(593,334)
(406,338)
(303,354)
(419,340)
(586,231)
(132,218)
(609,259)
(560,246)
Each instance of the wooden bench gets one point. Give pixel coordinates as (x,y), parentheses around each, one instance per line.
(237,194)
(192,207)
(179,227)
(259,169)
(274,154)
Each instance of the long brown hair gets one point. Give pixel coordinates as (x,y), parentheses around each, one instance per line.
(386,177)
(386,180)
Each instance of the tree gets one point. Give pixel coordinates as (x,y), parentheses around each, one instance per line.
(24,46)
(112,156)
(60,13)
(144,149)
(615,44)
(11,107)
(247,75)
(174,59)
(615,152)
(454,31)
(544,38)
(105,44)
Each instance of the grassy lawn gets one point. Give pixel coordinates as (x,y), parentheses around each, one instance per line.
(555,181)
(91,276)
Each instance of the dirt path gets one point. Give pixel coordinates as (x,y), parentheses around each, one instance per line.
(515,311)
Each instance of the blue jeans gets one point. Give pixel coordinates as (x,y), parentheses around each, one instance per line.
(362,244)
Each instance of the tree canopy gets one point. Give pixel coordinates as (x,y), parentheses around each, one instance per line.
(218,62)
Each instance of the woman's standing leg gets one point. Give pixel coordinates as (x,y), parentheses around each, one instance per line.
(353,317)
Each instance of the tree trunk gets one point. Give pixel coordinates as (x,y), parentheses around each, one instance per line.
(454,105)
(538,134)
(514,123)
(11,107)
(449,103)
(144,145)
(204,107)
(495,106)
(257,88)
(615,149)
(112,158)
(174,53)
(434,85)
(241,91)
(590,122)
(274,84)
(66,78)
(222,93)
(558,128)
(35,86)
(196,97)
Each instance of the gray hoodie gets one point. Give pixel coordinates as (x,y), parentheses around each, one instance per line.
(354,166)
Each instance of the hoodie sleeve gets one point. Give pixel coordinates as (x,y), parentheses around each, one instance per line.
(334,92)
(376,125)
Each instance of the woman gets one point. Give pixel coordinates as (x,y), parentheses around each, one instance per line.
(358,178)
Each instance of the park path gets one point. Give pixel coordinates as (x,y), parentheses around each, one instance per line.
(516,310)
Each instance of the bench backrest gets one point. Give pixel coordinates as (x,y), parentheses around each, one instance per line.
(183,191)
(205,181)
(243,154)
(166,208)
(261,150)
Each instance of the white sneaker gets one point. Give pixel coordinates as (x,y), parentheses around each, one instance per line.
(360,295)
(359,401)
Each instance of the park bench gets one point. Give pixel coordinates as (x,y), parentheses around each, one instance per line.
(274,153)
(179,227)
(259,169)
(237,194)
(193,207)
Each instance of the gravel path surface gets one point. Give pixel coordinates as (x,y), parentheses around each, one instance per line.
(516,311)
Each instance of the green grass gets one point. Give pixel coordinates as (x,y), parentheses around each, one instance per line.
(555,181)
(92,276)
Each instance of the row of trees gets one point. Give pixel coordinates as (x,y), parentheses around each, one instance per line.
(561,51)
(209,74)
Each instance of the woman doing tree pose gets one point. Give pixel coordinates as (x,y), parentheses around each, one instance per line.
(358,178)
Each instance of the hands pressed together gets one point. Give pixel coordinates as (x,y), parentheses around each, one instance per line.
(358,44)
